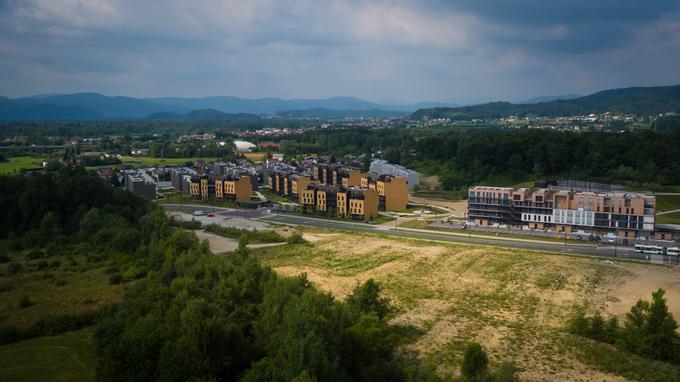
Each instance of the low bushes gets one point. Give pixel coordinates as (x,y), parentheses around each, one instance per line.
(254,236)
(50,326)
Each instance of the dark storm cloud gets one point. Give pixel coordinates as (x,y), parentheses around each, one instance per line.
(381,50)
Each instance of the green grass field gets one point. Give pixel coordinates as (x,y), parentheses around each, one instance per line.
(149,161)
(66,357)
(673,218)
(14,164)
(419,207)
(667,202)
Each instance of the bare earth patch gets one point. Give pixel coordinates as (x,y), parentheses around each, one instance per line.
(220,244)
(639,282)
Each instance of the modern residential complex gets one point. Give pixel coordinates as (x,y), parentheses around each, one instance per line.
(222,181)
(627,215)
(228,187)
(341,190)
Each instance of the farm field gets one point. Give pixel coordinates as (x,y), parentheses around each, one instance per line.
(66,357)
(516,303)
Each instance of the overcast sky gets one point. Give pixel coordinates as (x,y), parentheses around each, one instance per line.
(383,51)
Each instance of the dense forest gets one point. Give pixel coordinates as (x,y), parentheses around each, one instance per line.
(37,132)
(637,101)
(462,155)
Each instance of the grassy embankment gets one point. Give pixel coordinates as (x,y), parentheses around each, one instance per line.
(66,357)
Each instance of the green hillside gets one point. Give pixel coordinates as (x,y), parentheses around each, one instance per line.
(638,101)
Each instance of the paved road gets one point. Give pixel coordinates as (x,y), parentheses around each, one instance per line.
(261,214)
(576,249)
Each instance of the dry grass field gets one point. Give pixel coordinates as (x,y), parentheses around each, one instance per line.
(515,303)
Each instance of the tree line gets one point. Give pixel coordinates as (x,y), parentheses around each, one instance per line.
(648,330)
(462,156)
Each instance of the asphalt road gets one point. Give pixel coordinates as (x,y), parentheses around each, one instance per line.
(572,249)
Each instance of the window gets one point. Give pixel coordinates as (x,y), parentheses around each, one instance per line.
(580,200)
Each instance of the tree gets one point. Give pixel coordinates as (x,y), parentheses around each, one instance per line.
(366,299)
(662,338)
(611,330)
(242,245)
(366,162)
(475,362)
(597,325)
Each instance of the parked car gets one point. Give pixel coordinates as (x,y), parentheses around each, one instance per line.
(198,213)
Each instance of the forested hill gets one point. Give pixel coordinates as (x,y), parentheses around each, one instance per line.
(638,100)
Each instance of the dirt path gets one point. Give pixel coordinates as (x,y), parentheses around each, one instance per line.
(459,207)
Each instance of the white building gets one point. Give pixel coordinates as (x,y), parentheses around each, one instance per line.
(381,166)
(244,146)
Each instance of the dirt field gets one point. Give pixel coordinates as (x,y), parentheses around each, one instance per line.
(515,303)
(459,207)
(217,219)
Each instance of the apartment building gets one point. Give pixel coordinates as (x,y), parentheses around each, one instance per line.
(342,201)
(392,190)
(140,183)
(341,190)
(334,173)
(179,176)
(228,187)
(629,215)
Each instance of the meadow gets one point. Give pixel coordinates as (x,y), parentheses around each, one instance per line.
(515,303)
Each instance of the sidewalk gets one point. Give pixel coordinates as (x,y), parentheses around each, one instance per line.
(499,237)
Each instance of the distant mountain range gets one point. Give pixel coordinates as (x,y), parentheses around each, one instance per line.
(636,100)
(93,106)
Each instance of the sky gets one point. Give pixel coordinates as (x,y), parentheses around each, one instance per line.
(382,51)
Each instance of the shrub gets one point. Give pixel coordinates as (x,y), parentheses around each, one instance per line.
(475,362)
(296,238)
(14,267)
(55,264)
(254,236)
(4,258)
(134,272)
(4,288)
(111,269)
(9,334)
(35,254)
(115,278)
(25,302)
(42,264)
